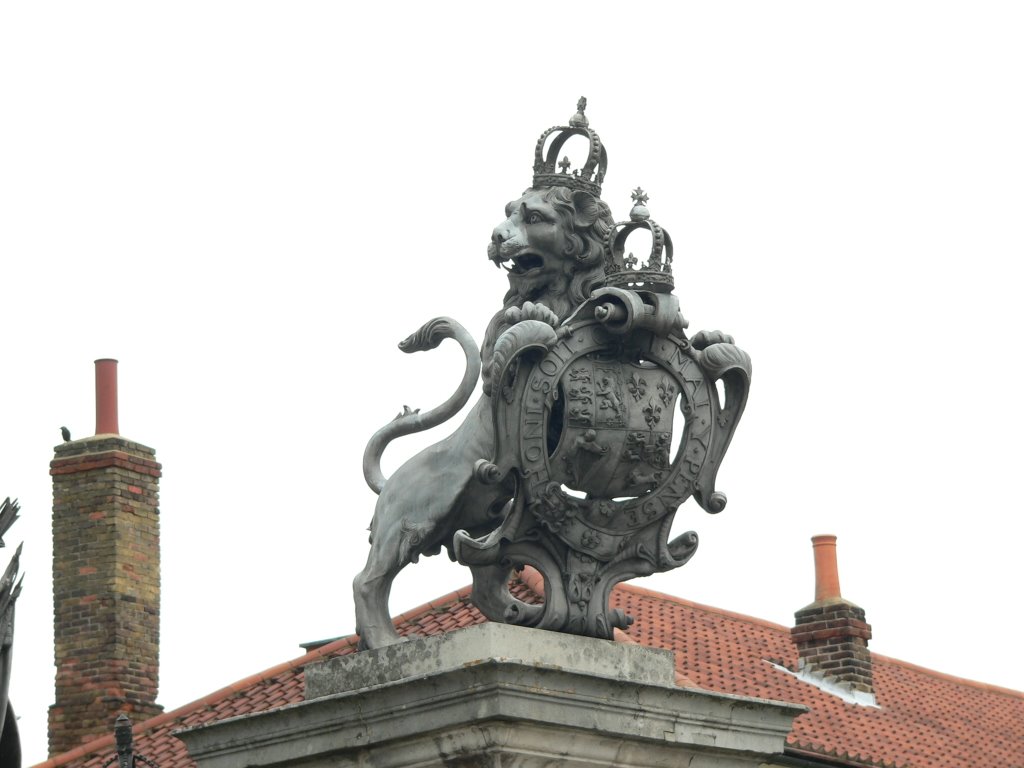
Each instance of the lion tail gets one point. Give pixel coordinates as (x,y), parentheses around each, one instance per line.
(429,336)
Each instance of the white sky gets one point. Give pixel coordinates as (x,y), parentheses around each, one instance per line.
(249,204)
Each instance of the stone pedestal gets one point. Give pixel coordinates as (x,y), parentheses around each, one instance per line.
(501,696)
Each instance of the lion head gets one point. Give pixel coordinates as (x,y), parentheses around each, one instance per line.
(552,245)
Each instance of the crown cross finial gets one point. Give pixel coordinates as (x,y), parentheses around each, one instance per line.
(579,120)
(564,164)
(639,211)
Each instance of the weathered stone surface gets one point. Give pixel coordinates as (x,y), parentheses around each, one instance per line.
(502,696)
(491,643)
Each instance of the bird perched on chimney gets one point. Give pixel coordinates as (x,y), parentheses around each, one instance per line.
(66,434)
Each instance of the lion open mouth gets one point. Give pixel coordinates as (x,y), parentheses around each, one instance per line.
(524,262)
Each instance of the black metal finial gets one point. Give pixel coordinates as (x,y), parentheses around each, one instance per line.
(123,740)
(564,164)
(126,757)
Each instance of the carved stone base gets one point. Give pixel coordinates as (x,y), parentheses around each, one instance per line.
(502,696)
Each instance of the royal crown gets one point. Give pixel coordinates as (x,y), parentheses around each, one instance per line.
(623,271)
(549,171)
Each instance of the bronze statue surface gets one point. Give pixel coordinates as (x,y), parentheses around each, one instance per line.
(565,462)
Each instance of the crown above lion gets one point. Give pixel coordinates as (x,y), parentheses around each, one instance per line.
(621,270)
(627,271)
(549,171)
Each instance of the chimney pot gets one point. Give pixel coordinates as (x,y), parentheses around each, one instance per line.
(826,568)
(106,397)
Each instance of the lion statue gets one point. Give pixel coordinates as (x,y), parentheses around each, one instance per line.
(552,245)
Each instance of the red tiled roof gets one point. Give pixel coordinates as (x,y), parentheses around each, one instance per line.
(924,719)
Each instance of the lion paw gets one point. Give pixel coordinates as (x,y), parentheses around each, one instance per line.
(531,311)
(705,339)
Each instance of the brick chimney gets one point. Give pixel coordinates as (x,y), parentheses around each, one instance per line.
(106,577)
(830,633)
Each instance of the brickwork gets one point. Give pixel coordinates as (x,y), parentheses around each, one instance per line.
(832,639)
(106,587)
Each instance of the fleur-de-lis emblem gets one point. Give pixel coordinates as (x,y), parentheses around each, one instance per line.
(652,414)
(667,393)
(637,387)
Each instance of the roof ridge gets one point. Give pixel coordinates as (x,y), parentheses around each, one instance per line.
(645,592)
(951,678)
(220,694)
(535,581)
(204,701)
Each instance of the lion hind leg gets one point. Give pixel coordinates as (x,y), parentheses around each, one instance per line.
(371,589)
(391,550)
(373,621)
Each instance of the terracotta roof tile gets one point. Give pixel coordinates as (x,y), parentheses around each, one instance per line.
(923,718)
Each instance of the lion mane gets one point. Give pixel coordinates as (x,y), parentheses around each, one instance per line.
(588,221)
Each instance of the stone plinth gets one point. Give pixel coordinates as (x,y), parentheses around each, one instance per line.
(501,696)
